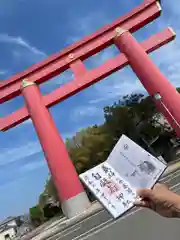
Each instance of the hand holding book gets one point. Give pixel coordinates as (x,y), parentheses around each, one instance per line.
(161,200)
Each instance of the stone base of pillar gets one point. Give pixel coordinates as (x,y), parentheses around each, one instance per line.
(75,205)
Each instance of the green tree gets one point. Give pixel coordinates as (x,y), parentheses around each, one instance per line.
(93,148)
(50,190)
(36,215)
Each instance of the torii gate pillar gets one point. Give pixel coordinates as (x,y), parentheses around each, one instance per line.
(157,85)
(73,199)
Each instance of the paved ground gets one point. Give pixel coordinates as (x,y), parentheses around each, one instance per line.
(137,224)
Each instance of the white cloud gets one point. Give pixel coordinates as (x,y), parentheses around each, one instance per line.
(74,131)
(3,72)
(10,155)
(86,25)
(85,111)
(20,152)
(33,166)
(5,38)
(57,81)
(168,60)
(116,86)
(173,8)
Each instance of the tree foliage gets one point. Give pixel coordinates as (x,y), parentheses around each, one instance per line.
(36,215)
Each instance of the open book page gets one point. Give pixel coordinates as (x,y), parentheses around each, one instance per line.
(111,190)
(134,164)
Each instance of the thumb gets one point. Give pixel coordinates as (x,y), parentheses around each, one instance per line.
(145,193)
(142,203)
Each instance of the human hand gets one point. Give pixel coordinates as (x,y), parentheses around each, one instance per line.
(161,200)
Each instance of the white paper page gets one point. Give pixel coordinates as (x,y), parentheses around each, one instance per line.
(134,164)
(113,192)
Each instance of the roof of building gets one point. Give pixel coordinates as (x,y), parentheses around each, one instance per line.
(5,228)
(7,220)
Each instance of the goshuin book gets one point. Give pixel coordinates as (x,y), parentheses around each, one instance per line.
(115,181)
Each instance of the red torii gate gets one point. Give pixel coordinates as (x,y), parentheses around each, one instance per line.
(70,190)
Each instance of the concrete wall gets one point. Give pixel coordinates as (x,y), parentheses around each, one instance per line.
(11,232)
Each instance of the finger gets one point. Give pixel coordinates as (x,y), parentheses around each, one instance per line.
(160,186)
(145,193)
(142,203)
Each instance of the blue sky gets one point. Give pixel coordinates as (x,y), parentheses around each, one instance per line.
(30,30)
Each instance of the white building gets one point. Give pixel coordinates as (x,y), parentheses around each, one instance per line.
(8,228)
(8,233)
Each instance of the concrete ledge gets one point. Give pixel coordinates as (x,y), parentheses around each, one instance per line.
(171,168)
(95,207)
(75,205)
